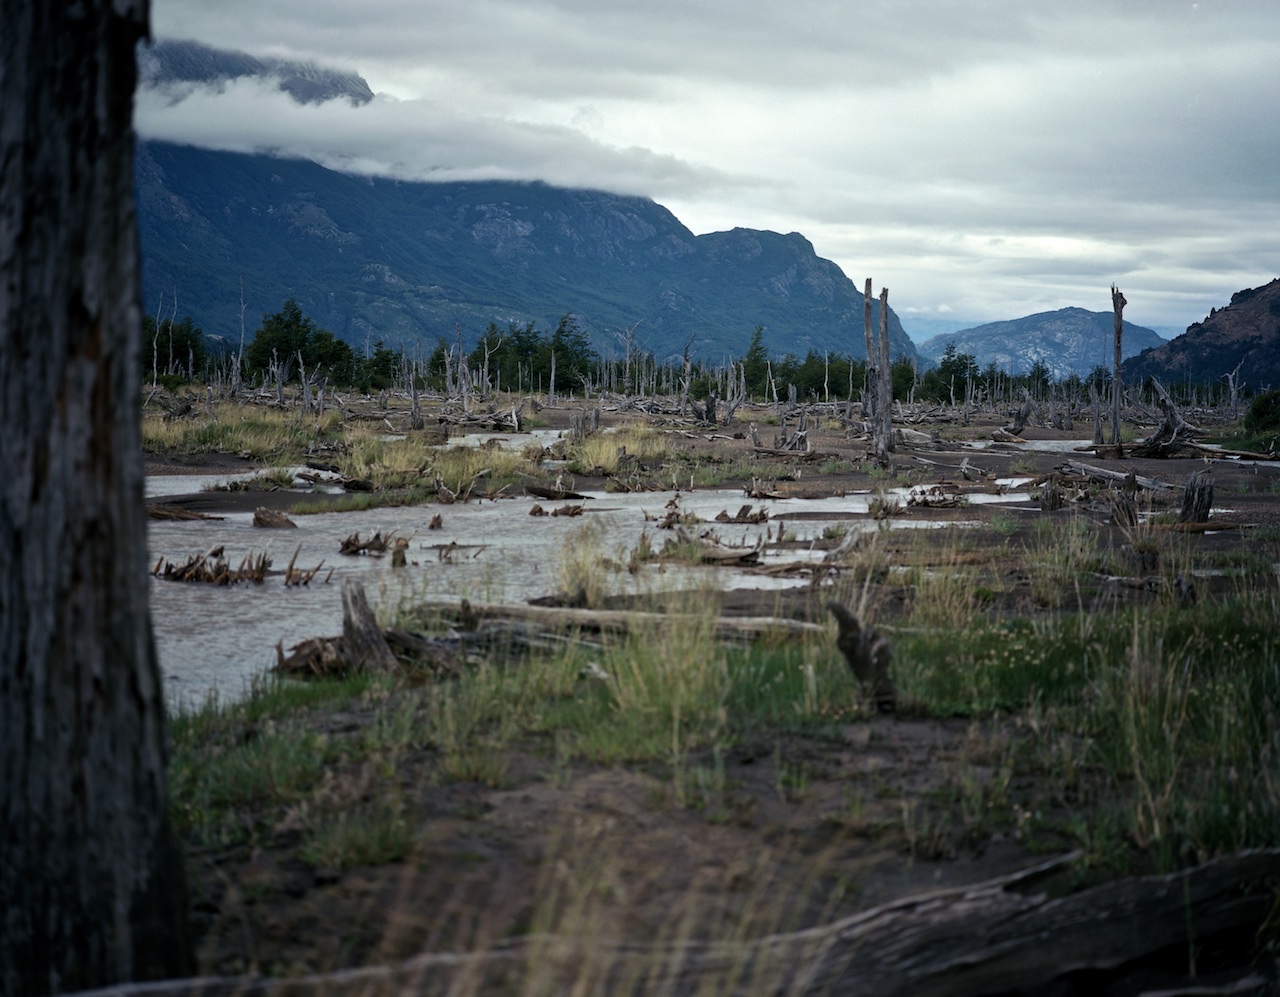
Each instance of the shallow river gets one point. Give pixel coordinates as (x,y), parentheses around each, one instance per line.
(215,639)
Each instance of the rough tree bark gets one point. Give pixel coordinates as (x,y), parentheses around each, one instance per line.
(91,883)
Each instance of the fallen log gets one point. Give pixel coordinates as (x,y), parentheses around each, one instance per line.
(745,517)
(619,622)
(214,569)
(996,936)
(1105,474)
(554,494)
(1211,526)
(376,544)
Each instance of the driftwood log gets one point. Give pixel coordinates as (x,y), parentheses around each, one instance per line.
(997,936)
(362,646)
(213,568)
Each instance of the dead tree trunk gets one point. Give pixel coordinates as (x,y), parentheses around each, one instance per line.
(884,404)
(92,883)
(1117,303)
(1020,417)
(870,383)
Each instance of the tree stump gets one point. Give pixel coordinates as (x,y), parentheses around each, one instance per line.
(1197,498)
(868,655)
(362,638)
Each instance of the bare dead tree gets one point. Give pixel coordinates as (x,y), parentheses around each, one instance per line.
(1117,303)
(884,404)
(92,882)
(1233,386)
(686,378)
(870,380)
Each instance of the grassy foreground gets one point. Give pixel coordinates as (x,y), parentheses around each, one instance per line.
(1144,735)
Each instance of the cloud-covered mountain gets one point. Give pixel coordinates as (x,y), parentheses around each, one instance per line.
(174,67)
(372,259)
(1067,341)
(1246,333)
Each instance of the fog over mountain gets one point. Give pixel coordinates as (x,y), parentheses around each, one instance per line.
(176,68)
(409,263)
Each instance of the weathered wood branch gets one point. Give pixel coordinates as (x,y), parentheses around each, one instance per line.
(1122,477)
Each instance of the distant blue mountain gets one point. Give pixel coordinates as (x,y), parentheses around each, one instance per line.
(1067,341)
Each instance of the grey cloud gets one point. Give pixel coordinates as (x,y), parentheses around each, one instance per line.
(986,155)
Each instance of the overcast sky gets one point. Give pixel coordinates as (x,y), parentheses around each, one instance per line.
(982,160)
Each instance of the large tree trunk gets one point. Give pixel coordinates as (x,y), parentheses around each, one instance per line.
(91,882)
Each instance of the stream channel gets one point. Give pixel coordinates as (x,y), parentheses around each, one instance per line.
(213,640)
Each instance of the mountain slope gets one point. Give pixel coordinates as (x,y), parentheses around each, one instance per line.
(372,259)
(1067,341)
(1245,332)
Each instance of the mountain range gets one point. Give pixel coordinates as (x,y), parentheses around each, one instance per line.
(377,259)
(227,238)
(1244,334)
(1067,341)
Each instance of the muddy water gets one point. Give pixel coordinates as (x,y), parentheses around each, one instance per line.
(217,639)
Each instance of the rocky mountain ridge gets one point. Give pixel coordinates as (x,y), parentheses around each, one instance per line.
(1244,334)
